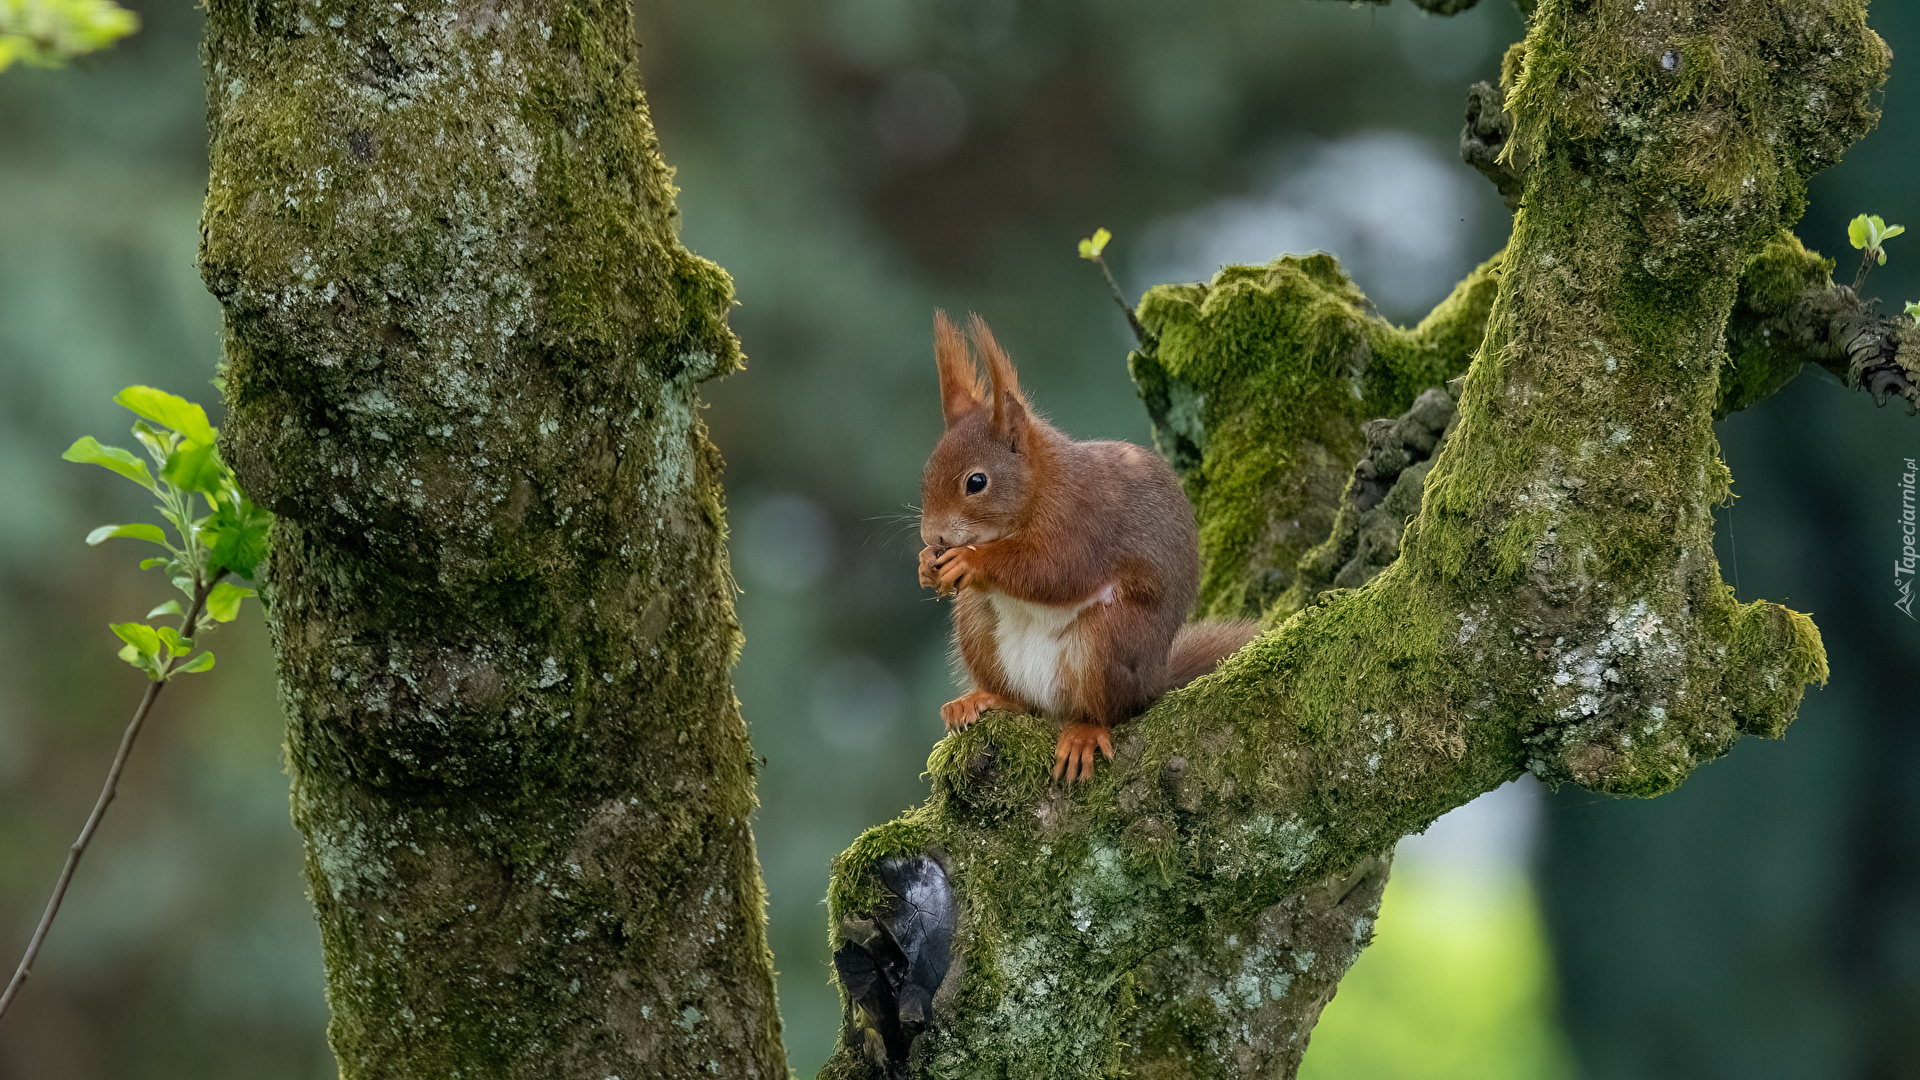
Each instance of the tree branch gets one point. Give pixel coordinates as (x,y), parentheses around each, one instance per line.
(1789,313)
(1257,392)
(1485,139)
(108,791)
(1555,606)
(1445,7)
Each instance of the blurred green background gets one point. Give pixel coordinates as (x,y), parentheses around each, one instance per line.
(854,164)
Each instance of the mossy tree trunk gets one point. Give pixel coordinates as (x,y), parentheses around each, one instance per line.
(461,357)
(1518,575)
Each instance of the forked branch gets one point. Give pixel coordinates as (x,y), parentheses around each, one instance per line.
(1554,606)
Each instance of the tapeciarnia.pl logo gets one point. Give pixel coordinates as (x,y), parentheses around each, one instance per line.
(1904,566)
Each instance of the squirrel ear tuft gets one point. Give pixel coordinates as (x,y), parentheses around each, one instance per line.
(1009,405)
(960,389)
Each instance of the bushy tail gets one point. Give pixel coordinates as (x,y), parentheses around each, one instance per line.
(1199,647)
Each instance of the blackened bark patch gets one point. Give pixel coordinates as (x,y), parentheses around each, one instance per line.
(892,963)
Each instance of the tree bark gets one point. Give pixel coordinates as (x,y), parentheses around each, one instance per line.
(462,349)
(1553,605)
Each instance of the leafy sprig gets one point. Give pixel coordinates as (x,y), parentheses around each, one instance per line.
(202,549)
(202,552)
(1869,234)
(1092,246)
(48,33)
(1091,249)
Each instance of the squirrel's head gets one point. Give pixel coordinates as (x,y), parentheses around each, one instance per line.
(978,482)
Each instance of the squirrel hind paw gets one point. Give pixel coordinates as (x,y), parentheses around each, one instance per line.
(1075,753)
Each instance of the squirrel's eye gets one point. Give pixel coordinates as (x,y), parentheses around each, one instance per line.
(976,483)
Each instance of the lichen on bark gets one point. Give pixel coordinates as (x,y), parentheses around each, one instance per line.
(462,346)
(1554,605)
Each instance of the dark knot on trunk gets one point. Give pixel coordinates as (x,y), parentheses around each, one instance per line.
(892,962)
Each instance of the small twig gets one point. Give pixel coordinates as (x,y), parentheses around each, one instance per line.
(188,625)
(1866,267)
(1139,332)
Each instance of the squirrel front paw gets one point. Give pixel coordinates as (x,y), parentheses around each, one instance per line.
(955,569)
(1073,756)
(965,709)
(929,571)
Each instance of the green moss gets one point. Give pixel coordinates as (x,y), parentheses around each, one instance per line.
(1783,271)
(1764,352)
(854,887)
(1735,124)
(1258,386)
(1775,654)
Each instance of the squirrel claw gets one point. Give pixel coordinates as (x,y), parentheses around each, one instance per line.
(964,710)
(1074,755)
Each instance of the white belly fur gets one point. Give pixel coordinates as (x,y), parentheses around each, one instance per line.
(1037,647)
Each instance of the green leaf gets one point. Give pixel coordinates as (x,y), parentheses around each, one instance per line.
(1858,231)
(170,410)
(1091,247)
(1913,311)
(139,635)
(200,663)
(176,645)
(158,560)
(237,537)
(143,649)
(171,607)
(193,467)
(87,451)
(1870,233)
(47,33)
(223,603)
(138,659)
(136,531)
(158,441)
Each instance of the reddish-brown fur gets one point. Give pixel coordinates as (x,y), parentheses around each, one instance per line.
(1087,549)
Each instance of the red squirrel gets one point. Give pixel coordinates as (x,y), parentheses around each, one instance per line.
(1073,564)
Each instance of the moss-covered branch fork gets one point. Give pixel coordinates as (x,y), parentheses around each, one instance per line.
(1789,313)
(1551,604)
(461,356)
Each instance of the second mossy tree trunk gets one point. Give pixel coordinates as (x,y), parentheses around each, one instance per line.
(461,357)
(1519,576)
